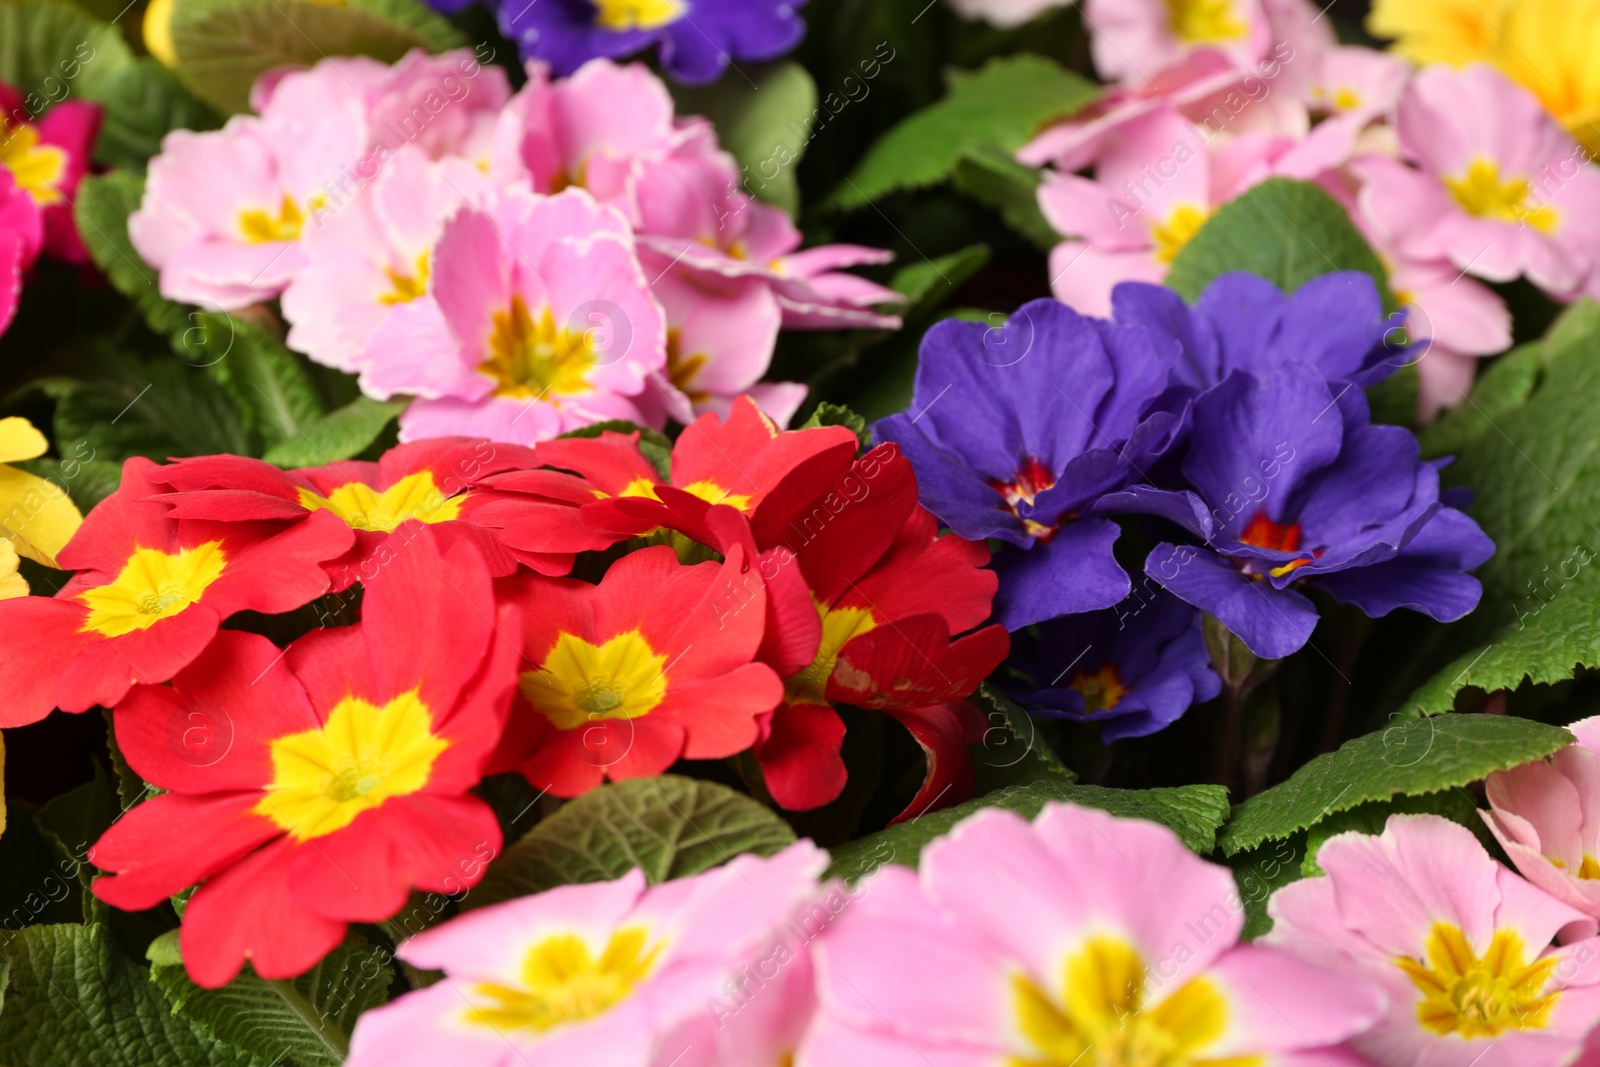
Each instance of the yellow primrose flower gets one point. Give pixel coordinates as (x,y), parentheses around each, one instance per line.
(37,518)
(158,32)
(1550,47)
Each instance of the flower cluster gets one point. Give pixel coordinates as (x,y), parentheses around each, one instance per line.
(769,574)
(43,157)
(1450,170)
(1239,423)
(520,265)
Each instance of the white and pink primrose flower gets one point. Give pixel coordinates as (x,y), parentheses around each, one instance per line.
(610,973)
(1499,187)
(1546,815)
(1130,40)
(1079,938)
(540,321)
(1460,944)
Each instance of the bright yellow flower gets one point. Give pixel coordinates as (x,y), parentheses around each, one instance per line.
(37,517)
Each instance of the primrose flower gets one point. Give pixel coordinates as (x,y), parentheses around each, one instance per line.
(627,677)
(1132,669)
(1078,938)
(1546,815)
(608,973)
(1293,484)
(21,236)
(698,39)
(345,781)
(541,321)
(1500,189)
(1460,944)
(443,483)
(1030,438)
(47,156)
(151,596)
(1156,184)
(224,212)
(1132,37)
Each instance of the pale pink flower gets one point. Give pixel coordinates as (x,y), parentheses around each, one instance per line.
(1132,40)
(1078,938)
(540,321)
(1546,815)
(612,974)
(224,212)
(1153,191)
(1007,14)
(368,258)
(1499,187)
(1356,81)
(1461,945)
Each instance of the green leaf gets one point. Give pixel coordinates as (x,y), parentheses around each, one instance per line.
(340,434)
(1409,758)
(1004,104)
(1261,872)
(104,203)
(87,482)
(670,827)
(52,51)
(928,284)
(72,1000)
(765,121)
(1193,812)
(223,46)
(1507,384)
(74,821)
(1370,818)
(838,415)
(271,384)
(306,1019)
(656,446)
(1286,231)
(144,101)
(439,32)
(1011,751)
(1535,477)
(994,178)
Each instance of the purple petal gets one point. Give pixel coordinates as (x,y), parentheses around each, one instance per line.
(1271,622)
(1073,571)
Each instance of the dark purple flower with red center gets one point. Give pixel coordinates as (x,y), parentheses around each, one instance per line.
(1016,433)
(1132,669)
(1293,488)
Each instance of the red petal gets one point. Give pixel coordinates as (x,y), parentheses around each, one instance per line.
(171,842)
(942,733)
(105,669)
(39,637)
(800,759)
(720,715)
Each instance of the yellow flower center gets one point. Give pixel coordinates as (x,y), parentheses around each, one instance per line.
(563,982)
(38,168)
(637,14)
(1099,1018)
(1473,996)
(363,755)
(1482,193)
(404,288)
(1205,21)
(580,682)
(1345,99)
(152,586)
(362,507)
(682,369)
(1102,690)
(1176,231)
(261,226)
(530,359)
(839,625)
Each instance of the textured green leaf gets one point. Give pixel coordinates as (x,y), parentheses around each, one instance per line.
(1409,758)
(52,51)
(223,46)
(1193,812)
(928,284)
(838,415)
(340,434)
(765,120)
(87,482)
(439,33)
(1261,872)
(1535,477)
(1507,384)
(143,102)
(993,177)
(670,827)
(104,203)
(271,384)
(72,1000)
(306,1020)
(75,820)
(1454,804)
(1004,104)
(1286,231)
(1011,751)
